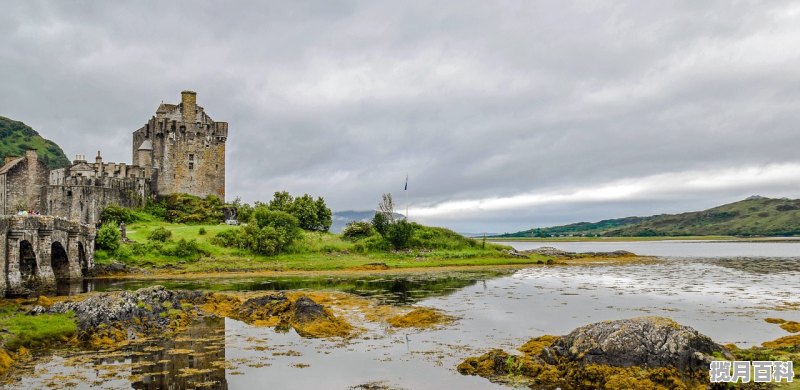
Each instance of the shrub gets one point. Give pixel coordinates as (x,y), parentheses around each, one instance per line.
(183,208)
(357,230)
(264,217)
(185,249)
(381,223)
(124,252)
(399,234)
(160,234)
(202,231)
(108,237)
(116,214)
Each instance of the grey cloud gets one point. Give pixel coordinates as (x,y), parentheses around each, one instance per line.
(471,99)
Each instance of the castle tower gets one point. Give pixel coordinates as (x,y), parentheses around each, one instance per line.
(185,149)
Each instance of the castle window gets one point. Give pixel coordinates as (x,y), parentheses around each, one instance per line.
(191,165)
(191,157)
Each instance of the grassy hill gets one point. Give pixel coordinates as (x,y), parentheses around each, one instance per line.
(17,137)
(754,216)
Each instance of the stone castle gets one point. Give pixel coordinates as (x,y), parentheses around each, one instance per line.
(179,150)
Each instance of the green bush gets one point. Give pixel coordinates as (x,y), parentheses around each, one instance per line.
(264,217)
(160,234)
(270,234)
(202,231)
(381,224)
(183,208)
(399,234)
(185,249)
(357,230)
(108,237)
(124,252)
(116,214)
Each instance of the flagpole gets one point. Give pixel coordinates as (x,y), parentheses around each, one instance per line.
(406,190)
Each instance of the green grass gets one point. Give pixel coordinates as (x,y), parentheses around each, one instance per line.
(313,252)
(34,331)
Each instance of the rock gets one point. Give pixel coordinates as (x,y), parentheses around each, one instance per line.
(306,310)
(264,307)
(115,268)
(144,305)
(643,341)
(637,353)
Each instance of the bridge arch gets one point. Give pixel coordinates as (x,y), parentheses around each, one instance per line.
(59,260)
(28,269)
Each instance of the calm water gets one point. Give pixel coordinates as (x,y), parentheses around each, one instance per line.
(726,297)
(678,248)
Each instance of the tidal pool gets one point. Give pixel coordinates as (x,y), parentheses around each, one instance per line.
(726,299)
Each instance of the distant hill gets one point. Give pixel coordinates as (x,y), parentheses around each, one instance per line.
(17,137)
(342,218)
(754,216)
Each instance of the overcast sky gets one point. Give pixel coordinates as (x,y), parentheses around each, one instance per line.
(505,115)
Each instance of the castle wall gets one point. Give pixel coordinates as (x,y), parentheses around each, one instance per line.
(83,199)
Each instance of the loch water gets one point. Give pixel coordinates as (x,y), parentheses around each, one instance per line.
(724,290)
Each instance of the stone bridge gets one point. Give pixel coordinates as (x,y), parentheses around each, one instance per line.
(40,251)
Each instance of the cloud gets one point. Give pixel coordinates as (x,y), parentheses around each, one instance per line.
(538,112)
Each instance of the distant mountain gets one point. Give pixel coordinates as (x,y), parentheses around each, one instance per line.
(17,137)
(754,216)
(342,218)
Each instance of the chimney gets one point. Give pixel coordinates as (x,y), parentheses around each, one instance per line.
(98,164)
(189,103)
(30,154)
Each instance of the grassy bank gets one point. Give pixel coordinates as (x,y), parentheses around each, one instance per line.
(314,251)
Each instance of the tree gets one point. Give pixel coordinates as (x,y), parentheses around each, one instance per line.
(324,215)
(386,207)
(305,210)
(281,201)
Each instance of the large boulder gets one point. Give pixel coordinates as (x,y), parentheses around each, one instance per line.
(642,341)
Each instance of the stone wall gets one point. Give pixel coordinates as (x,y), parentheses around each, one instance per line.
(83,199)
(41,250)
(22,183)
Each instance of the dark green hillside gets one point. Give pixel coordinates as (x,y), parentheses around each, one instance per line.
(578,229)
(754,216)
(17,137)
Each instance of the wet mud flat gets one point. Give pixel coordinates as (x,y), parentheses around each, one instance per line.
(726,299)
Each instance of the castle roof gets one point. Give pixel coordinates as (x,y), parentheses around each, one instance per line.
(165,107)
(11,164)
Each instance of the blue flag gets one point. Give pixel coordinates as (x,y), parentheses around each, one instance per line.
(406,187)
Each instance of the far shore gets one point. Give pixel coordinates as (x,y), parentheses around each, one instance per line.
(630,239)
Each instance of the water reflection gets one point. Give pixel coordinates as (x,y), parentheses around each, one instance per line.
(195,359)
(391,289)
